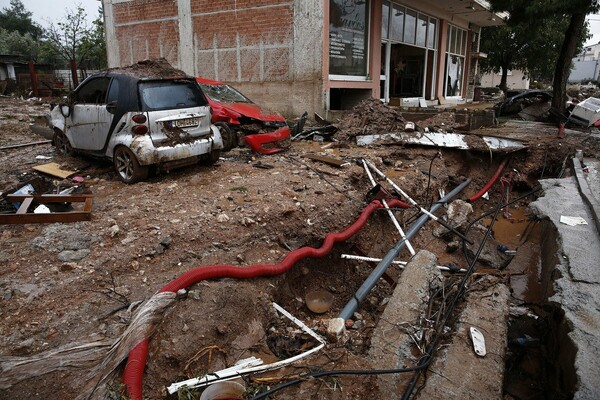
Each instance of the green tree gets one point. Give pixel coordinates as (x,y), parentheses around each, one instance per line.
(532,48)
(94,45)
(17,18)
(75,40)
(532,12)
(14,43)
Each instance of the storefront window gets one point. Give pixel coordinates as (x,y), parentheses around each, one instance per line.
(432,33)
(410,24)
(421,30)
(385,19)
(348,37)
(398,23)
(455,61)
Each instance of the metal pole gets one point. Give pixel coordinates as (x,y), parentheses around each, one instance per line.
(378,272)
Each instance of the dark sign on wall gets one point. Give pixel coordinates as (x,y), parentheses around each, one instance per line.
(348,34)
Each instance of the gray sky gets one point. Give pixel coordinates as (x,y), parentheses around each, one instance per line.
(53,10)
(46,11)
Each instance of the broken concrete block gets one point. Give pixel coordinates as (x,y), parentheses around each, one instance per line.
(457,216)
(392,343)
(335,327)
(462,374)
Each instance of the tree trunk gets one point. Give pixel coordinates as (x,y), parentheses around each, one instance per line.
(74,76)
(504,79)
(563,64)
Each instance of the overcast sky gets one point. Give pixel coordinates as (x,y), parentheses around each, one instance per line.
(53,10)
(46,11)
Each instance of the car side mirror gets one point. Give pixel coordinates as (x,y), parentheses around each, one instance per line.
(111,107)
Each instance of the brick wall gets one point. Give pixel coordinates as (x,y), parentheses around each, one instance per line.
(250,43)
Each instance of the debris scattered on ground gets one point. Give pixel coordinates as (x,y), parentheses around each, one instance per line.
(370,117)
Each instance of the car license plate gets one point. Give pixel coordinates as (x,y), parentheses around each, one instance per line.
(186,122)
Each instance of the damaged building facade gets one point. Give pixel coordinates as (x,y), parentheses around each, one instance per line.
(314,55)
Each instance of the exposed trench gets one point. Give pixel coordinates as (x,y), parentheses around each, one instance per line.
(540,361)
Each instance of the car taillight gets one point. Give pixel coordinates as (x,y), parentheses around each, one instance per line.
(140,129)
(139,118)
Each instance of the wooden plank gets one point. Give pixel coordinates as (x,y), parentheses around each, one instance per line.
(54,170)
(24,206)
(23,217)
(88,205)
(16,146)
(31,218)
(51,198)
(327,160)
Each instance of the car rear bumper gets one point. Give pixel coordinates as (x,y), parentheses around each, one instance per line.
(269,143)
(148,154)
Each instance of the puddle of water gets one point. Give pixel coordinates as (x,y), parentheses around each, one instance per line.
(510,231)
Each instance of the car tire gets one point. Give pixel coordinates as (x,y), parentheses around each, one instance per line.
(127,166)
(227,135)
(61,143)
(211,158)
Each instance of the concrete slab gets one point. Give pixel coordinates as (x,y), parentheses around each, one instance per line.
(580,243)
(391,343)
(577,290)
(593,176)
(458,373)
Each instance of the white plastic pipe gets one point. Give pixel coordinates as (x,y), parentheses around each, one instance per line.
(401,264)
(390,213)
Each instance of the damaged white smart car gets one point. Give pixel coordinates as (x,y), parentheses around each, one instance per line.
(138,118)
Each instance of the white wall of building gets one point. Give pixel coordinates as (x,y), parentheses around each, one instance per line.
(516,80)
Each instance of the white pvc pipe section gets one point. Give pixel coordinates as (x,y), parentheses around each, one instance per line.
(401,264)
(390,213)
(252,365)
(397,188)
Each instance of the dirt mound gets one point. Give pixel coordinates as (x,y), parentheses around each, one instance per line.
(444,121)
(370,117)
(152,68)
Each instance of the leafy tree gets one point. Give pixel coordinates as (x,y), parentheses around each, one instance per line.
(14,43)
(74,39)
(94,45)
(533,12)
(532,48)
(17,18)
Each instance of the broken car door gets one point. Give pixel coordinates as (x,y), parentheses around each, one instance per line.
(88,125)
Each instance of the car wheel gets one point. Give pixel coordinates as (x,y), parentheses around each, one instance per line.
(212,157)
(127,166)
(61,143)
(228,136)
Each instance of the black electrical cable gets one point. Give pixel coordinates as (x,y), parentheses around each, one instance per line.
(336,372)
(427,203)
(425,361)
(461,288)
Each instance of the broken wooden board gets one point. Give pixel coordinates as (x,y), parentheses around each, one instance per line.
(54,170)
(328,160)
(22,216)
(437,139)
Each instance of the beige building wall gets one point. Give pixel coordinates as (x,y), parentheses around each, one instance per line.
(516,80)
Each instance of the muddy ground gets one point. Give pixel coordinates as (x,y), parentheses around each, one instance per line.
(64,283)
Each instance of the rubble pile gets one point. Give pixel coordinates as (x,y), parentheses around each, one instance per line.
(444,121)
(370,117)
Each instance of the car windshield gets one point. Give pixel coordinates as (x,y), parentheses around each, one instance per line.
(224,93)
(168,95)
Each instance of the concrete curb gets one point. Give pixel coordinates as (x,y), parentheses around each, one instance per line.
(586,194)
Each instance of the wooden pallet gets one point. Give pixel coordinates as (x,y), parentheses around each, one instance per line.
(22,216)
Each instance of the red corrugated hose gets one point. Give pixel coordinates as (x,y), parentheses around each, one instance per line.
(136,361)
(491,182)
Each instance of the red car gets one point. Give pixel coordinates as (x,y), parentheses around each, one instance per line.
(240,120)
